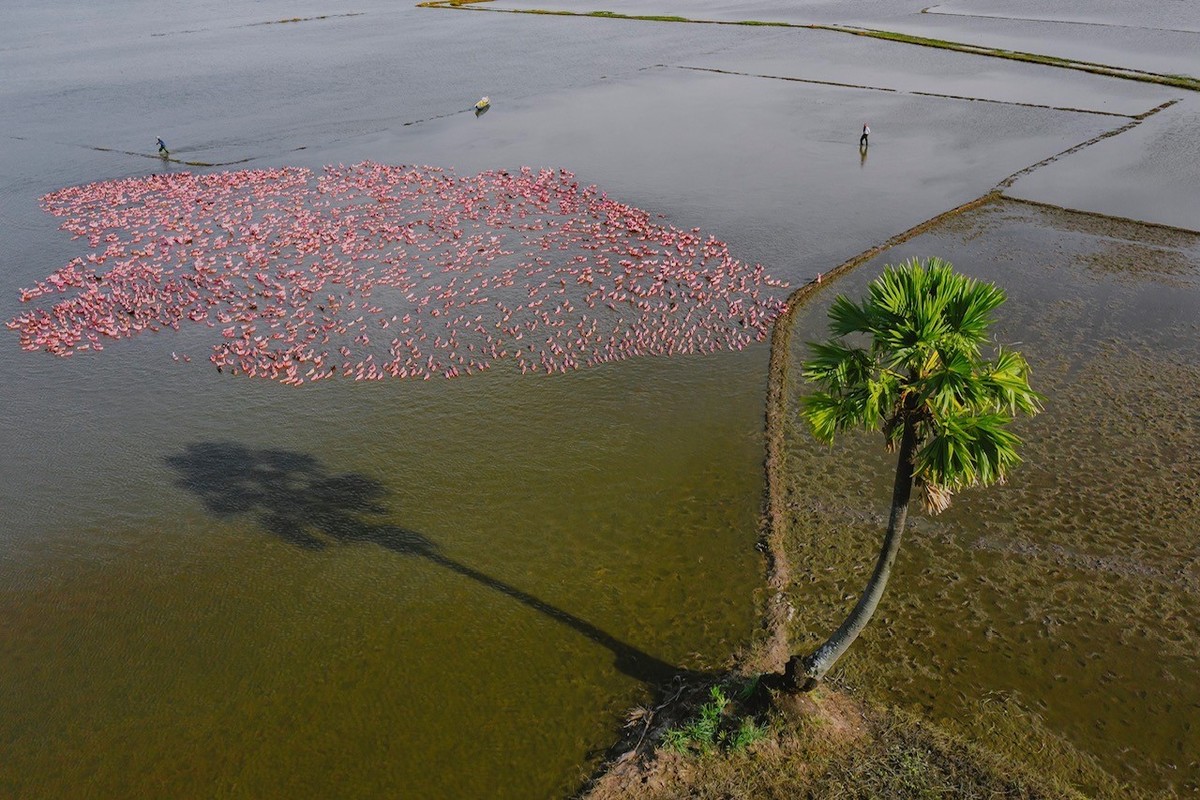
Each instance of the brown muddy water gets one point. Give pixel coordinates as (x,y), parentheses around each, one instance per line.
(1052,617)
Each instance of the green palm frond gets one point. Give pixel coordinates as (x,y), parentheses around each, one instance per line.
(909,303)
(893,292)
(969,313)
(1006,381)
(950,386)
(828,415)
(924,370)
(835,366)
(882,398)
(847,317)
(928,301)
(968,451)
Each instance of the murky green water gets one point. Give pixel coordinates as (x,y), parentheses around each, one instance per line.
(216,587)
(467,572)
(1063,603)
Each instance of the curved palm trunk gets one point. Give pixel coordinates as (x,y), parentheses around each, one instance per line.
(803,673)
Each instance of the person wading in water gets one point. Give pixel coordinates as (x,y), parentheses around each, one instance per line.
(862,140)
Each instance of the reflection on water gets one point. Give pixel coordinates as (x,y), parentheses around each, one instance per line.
(1058,609)
(292,496)
(418,576)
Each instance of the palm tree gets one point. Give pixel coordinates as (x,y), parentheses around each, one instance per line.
(907,361)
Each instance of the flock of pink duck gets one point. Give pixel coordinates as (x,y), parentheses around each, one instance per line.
(373,271)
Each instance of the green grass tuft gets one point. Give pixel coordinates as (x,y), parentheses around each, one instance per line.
(717,725)
(637,17)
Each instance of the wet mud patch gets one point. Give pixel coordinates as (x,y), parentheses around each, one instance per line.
(1110,228)
(1129,260)
(1049,618)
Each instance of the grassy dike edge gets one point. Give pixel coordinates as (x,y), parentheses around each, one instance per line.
(1177,81)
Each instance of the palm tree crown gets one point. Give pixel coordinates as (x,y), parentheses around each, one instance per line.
(907,361)
(909,356)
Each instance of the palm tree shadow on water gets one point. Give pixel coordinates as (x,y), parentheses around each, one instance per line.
(294,498)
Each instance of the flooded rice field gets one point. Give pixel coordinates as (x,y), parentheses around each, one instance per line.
(216,584)
(1061,604)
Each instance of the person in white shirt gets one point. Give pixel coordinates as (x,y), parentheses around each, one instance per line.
(862,140)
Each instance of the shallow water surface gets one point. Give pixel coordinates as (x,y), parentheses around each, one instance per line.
(1151,173)
(449,588)
(442,589)
(467,572)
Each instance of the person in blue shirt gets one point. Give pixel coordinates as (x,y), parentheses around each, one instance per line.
(162,148)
